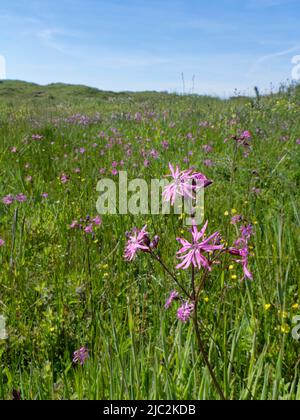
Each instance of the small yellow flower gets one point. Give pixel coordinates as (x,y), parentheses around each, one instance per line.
(234,211)
(105,266)
(231,267)
(105,275)
(206,299)
(226,213)
(182,231)
(295,306)
(283,314)
(267,306)
(285,328)
(234,277)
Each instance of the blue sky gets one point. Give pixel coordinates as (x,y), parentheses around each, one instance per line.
(148,44)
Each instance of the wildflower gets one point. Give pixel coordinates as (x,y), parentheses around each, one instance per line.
(226,213)
(182,184)
(236,219)
(173,296)
(207,148)
(295,306)
(154,154)
(8,200)
(191,253)
(74,224)
(137,240)
(82,150)
(256,190)
(208,162)
(64,178)
(16,395)
(13,150)
(21,198)
(36,137)
(246,135)
(80,356)
(246,231)
(185,311)
(200,179)
(268,306)
(2,242)
(298,141)
(44,195)
(97,221)
(154,242)
(165,144)
(244,254)
(285,328)
(89,229)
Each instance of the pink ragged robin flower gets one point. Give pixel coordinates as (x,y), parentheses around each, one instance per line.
(2,242)
(181,185)
(243,252)
(80,356)
(191,253)
(64,178)
(97,221)
(89,229)
(21,198)
(138,240)
(74,224)
(247,231)
(173,296)
(8,200)
(185,311)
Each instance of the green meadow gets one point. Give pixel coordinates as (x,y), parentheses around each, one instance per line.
(63,288)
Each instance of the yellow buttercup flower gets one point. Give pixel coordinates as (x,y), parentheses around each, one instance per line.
(295,306)
(285,328)
(226,213)
(267,306)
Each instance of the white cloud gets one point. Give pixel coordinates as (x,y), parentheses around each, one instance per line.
(257,65)
(49,39)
